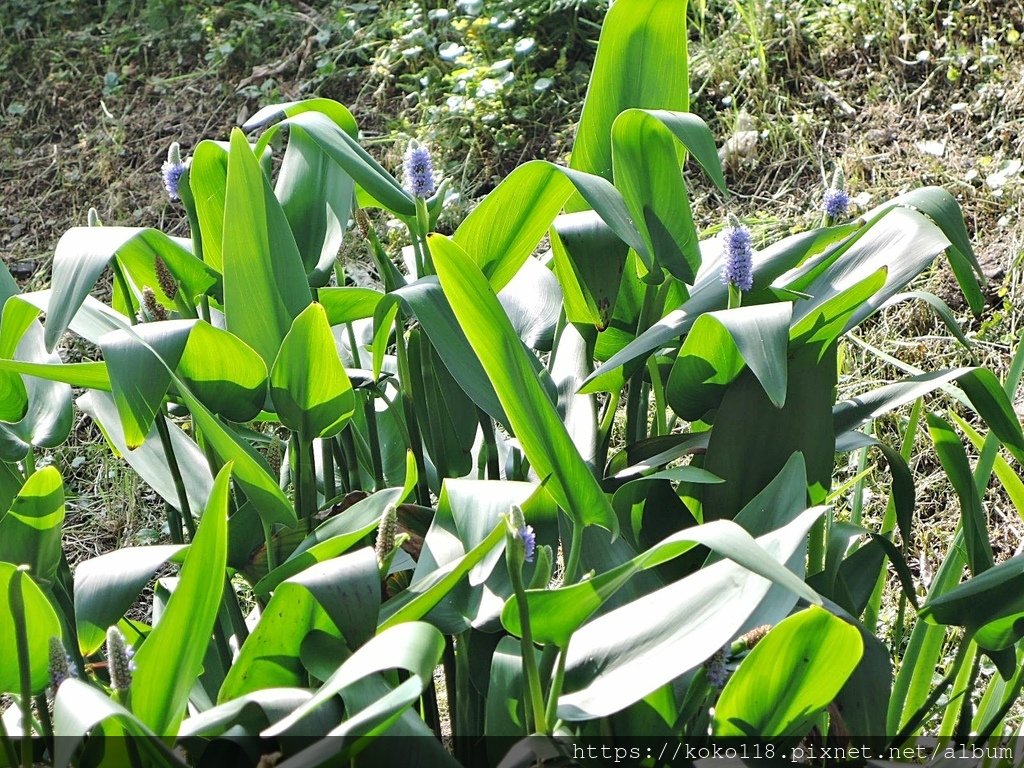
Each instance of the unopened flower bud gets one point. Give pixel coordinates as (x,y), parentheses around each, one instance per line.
(119,660)
(94,218)
(154,309)
(61,666)
(386,533)
(167,282)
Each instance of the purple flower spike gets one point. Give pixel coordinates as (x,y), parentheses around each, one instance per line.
(419,171)
(172,169)
(739,254)
(835,202)
(529,541)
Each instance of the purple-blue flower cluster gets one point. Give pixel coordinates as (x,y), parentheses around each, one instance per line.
(529,541)
(835,202)
(419,171)
(172,169)
(738,269)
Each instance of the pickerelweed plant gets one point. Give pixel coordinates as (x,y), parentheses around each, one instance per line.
(363,460)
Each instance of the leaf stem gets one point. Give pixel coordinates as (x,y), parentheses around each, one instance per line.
(533,693)
(16,599)
(370,412)
(174,518)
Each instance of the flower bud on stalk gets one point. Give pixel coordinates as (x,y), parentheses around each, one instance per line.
(836,200)
(419,171)
(737,271)
(119,660)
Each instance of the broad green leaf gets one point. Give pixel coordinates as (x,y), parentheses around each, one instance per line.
(149,459)
(625,654)
(994,595)
(941,207)
(414,602)
(265,284)
(789,677)
(555,614)
(646,156)
(752,439)
(79,708)
(501,232)
(308,385)
(41,623)
(346,152)
(343,305)
(820,323)
(106,586)
(221,370)
(1010,480)
(532,300)
(425,299)
(179,640)
(339,597)
(709,293)
(336,111)
(641,62)
(534,420)
(333,537)
(467,512)
(414,647)
(718,347)
(84,252)
(30,531)
(207,182)
(589,261)
(254,712)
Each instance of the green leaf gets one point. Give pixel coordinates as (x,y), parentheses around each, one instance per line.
(180,638)
(647,154)
(311,392)
(414,602)
(30,531)
(718,347)
(339,597)
(316,196)
(84,252)
(344,150)
(752,439)
(953,458)
(41,623)
(555,614)
(79,707)
(265,284)
(221,370)
(641,62)
(709,294)
(625,654)
(207,182)
(589,261)
(532,416)
(333,537)
(789,677)
(149,459)
(414,647)
(425,299)
(501,232)
(993,595)
(343,305)
(981,386)
(106,586)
